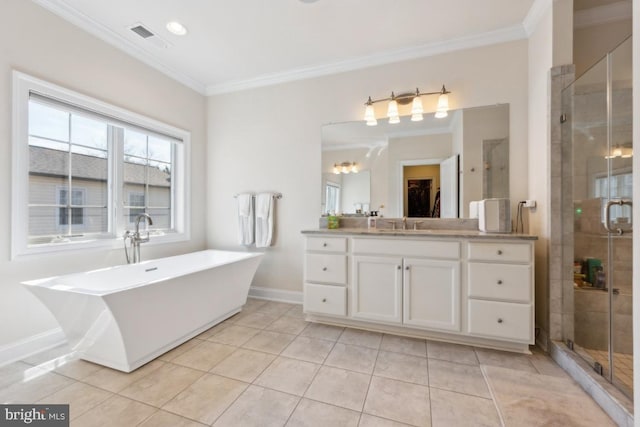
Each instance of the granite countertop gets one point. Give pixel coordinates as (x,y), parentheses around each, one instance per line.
(473,234)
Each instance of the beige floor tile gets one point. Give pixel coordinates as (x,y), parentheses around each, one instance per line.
(253,304)
(206,399)
(526,399)
(339,387)
(455,409)
(403,367)
(115,381)
(63,361)
(397,344)
(79,396)
(316,414)
(269,342)
(288,375)
(36,384)
(162,385)
(288,325)
(244,365)
(505,359)
(367,420)
(398,401)
(234,335)
(179,350)
(352,357)
(362,338)
(275,308)
(458,377)
(117,411)
(309,349)
(204,356)
(214,330)
(259,407)
(546,365)
(323,332)
(295,311)
(255,319)
(451,352)
(167,419)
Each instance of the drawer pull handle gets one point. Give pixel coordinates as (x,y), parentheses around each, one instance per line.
(499,251)
(399,267)
(407,268)
(499,320)
(324,245)
(499,282)
(324,300)
(324,268)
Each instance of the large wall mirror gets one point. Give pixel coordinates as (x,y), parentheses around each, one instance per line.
(432,168)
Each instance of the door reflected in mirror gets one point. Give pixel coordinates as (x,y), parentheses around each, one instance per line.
(432,168)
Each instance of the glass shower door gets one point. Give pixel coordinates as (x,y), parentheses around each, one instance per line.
(599,103)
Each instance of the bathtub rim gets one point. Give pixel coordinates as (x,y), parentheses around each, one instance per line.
(51,282)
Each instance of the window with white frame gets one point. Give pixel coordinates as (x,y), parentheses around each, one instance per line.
(84,170)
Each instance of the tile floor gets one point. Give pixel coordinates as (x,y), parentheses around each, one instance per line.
(266,366)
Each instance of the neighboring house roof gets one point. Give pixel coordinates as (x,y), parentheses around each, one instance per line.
(45,161)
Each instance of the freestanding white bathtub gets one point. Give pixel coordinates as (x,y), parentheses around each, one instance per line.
(123,317)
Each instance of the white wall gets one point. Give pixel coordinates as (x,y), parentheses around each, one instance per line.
(36,42)
(269,138)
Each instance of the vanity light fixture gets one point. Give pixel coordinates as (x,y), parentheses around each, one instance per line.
(404,98)
(623,151)
(176,28)
(345,167)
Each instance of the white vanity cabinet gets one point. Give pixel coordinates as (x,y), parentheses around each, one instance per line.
(468,287)
(325,274)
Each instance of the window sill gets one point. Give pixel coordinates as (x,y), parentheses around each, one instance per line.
(94,244)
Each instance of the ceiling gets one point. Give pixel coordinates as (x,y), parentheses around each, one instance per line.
(239,44)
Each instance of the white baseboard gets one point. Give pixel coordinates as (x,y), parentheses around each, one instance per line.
(293,297)
(29,346)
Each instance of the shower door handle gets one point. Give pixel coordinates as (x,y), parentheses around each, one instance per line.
(607,214)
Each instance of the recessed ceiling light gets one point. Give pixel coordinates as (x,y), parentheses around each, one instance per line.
(176,28)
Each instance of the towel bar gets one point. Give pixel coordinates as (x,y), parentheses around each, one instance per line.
(275,196)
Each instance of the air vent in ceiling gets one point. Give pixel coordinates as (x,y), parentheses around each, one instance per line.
(149,36)
(142,31)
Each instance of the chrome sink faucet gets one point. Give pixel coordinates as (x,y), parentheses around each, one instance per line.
(136,239)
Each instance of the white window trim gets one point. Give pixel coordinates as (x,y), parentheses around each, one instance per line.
(23,84)
(60,188)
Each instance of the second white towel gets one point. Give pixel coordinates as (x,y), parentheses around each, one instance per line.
(264,220)
(245,219)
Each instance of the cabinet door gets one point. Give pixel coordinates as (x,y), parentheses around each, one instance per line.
(432,294)
(377,289)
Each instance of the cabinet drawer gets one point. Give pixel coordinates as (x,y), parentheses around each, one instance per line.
(327,244)
(502,320)
(435,249)
(325,299)
(507,252)
(509,282)
(326,268)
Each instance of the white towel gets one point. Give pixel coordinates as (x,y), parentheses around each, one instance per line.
(264,220)
(245,219)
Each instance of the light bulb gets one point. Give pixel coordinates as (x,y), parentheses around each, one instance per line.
(354,168)
(394,120)
(443,106)
(336,170)
(370,114)
(392,109)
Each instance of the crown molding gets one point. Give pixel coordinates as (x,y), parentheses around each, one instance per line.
(535,14)
(605,14)
(515,32)
(75,17)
